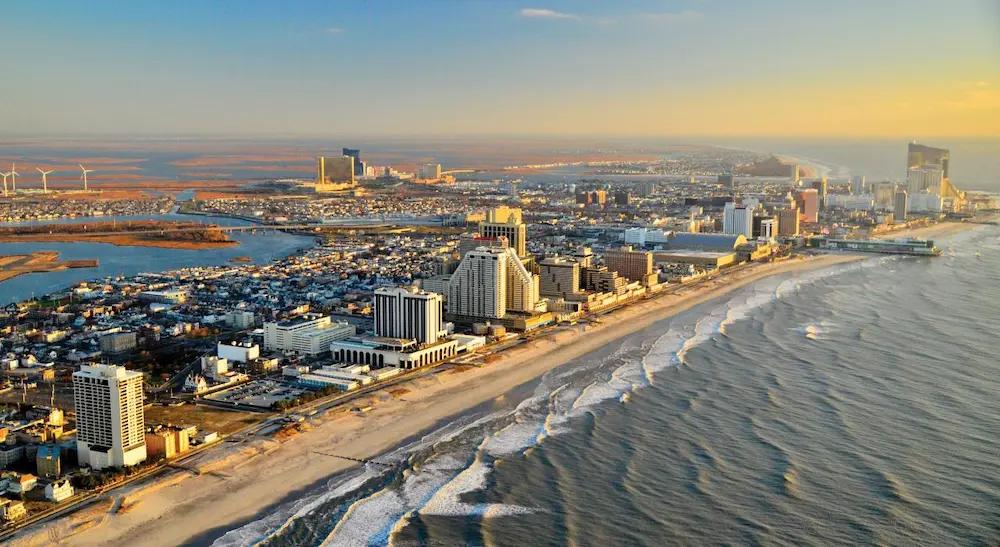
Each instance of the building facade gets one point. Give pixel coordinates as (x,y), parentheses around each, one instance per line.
(737,220)
(478,288)
(559,277)
(900,206)
(409,313)
(109,416)
(334,174)
(634,265)
(308,334)
(808,204)
(506,222)
(928,178)
(788,221)
(489,283)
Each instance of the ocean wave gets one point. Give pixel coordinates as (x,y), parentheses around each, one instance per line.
(374,519)
(456,467)
(447,500)
(277,522)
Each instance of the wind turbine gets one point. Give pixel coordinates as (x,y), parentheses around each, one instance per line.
(13,177)
(45,182)
(4,175)
(84,177)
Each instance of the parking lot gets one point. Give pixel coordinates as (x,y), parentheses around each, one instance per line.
(258,393)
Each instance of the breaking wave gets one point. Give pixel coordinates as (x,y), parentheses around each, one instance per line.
(437,474)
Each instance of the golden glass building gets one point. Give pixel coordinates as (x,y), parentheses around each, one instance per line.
(334,174)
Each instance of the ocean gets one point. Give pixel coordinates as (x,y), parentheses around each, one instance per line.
(852,405)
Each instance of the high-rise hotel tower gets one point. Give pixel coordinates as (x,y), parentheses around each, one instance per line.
(109,416)
(409,313)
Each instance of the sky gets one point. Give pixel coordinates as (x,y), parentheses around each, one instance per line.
(853,68)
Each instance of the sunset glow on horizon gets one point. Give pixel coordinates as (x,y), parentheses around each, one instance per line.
(643,68)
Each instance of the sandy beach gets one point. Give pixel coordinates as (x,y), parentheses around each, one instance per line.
(234,483)
(941,229)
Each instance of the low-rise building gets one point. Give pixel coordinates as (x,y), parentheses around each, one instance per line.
(238,352)
(167,441)
(308,334)
(118,342)
(380,352)
(59,490)
(18,483)
(11,510)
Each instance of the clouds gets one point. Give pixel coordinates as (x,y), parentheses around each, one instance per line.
(664,17)
(333,30)
(543,13)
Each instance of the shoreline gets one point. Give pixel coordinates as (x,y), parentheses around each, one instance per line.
(226,487)
(939,229)
(124,241)
(12,266)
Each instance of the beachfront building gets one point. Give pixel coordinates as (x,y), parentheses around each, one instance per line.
(632,264)
(166,441)
(109,416)
(379,352)
(59,490)
(928,178)
(409,332)
(489,283)
(307,334)
(559,277)
(408,313)
(479,285)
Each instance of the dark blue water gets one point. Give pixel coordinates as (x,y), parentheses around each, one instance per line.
(115,260)
(855,405)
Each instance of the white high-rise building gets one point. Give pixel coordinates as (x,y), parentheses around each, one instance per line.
(409,313)
(491,281)
(109,417)
(522,285)
(737,220)
(478,288)
(924,179)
